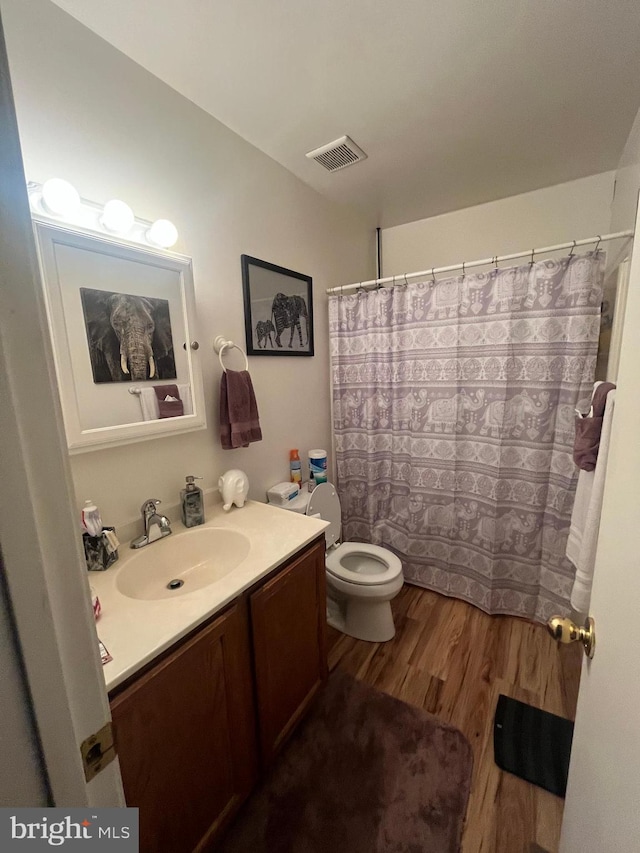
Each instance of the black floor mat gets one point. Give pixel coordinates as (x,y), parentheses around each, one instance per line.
(532,744)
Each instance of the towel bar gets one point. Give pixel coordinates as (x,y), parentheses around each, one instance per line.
(220,344)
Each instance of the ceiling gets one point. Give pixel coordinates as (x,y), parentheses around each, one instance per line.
(456,102)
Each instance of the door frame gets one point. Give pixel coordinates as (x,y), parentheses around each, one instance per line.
(39,530)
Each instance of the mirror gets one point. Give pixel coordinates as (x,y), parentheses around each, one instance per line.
(121,319)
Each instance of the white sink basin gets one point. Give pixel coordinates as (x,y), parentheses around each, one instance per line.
(181,564)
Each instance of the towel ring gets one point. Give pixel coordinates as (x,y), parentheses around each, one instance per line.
(220,344)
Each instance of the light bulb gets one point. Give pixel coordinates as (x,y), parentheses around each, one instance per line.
(163,233)
(117,216)
(60,197)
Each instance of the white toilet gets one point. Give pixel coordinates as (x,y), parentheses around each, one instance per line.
(361,579)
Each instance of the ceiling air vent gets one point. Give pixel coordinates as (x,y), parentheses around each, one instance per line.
(338,154)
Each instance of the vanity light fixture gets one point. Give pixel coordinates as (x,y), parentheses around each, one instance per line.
(57,199)
(117,216)
(162,233)
(60,198)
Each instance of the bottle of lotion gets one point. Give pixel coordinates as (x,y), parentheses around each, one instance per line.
(192,503)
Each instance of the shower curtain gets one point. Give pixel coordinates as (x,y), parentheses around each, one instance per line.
(454,413)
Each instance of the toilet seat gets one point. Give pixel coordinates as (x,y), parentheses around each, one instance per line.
(324,503)
(352,562)
(364,564)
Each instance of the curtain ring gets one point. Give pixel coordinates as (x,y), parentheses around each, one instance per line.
(595,251)
(532,254)
(463,271)
(433,276)
(572,249)
(495,261)
(406,283)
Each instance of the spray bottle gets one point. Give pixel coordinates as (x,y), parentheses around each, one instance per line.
(296,468)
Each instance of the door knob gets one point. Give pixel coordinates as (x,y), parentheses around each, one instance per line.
(565,630)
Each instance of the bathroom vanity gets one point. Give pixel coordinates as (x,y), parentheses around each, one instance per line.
(197,723)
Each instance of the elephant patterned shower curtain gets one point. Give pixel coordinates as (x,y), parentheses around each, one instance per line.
(454,421)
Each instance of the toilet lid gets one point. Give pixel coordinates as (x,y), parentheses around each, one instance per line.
(358,562)
(324,501)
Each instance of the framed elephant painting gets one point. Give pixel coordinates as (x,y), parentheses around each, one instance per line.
(278,309)
(122,324)
(129,336)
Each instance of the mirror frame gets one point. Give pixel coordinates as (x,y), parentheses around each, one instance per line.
(80,440)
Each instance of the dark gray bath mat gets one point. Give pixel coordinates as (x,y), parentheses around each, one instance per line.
(532,744)
(365,773)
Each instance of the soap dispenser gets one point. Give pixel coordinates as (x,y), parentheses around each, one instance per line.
(192,503)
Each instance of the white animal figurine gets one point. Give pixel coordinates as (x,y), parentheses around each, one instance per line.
(234,487)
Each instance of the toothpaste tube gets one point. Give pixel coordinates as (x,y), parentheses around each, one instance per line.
(91,520)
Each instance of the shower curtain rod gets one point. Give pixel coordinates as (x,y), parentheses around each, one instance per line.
(401,279)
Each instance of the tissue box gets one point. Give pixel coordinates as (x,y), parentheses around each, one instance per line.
(282,493)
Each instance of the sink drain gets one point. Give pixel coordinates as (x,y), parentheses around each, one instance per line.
(175,584)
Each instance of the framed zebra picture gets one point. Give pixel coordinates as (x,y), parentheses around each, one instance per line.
(278,309)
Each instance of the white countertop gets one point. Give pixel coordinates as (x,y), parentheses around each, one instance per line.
(134,631)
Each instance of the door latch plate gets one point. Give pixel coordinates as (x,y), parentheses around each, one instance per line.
(98,750)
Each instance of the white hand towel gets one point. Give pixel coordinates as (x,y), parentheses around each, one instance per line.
(585,519)
(185,396)
(149,402)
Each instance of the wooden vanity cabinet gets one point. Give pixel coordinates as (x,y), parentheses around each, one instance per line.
(186,737)
(194,729)
(288,618)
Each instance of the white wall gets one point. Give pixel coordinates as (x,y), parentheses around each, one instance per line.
(625,202)
(92,116)
(541,218)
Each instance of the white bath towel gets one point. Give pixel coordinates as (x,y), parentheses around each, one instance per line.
(149,402)
(585,519)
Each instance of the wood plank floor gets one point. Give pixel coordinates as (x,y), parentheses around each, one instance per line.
(453,660)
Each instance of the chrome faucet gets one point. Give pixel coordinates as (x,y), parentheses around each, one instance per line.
(156,526)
